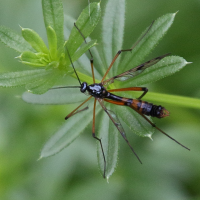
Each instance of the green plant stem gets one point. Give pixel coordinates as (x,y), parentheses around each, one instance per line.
(173,99)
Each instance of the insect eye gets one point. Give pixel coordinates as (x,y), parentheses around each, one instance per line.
(83,87)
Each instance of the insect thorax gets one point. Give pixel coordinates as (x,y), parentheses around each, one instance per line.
(97,90)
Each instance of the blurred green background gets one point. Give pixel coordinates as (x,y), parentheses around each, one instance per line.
(168,171)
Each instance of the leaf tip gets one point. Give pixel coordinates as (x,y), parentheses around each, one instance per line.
(187,63)
(176,12)
(21,27)
(107,179)
(149,136)
(39,158)
(18,56)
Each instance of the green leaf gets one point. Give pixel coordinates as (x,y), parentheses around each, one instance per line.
(54,17)
(36,81)
(53,64)
(146,45)
(71,129)
(13,40)
(113,32)
(56,96)
(136,123)
(166,67)
(83,61)
(32,59)
(43,84)
(12,79)
(86,23)
(52,39)
(109,138)
(34,40)
(83,49)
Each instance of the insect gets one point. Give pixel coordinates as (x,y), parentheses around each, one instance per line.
(100,93)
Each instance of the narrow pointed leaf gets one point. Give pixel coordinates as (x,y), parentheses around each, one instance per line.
(147,44)
(13,40)
(71,129)
(12,79)
(86,22)
(83,61)
(34,40)
(54,17)
(137,124)
(113,32)
(43,84)
(166,67)
(32,59)
(109,137)
(52,39)
(56,96)
(83,49)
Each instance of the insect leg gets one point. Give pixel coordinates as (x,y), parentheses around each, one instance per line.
(118,125)
(152,124)
(75,110)
(94,136)
(144,89)
(91,59)
(120,51)
(113,61)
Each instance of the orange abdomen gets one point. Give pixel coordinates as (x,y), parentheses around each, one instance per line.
(148,108)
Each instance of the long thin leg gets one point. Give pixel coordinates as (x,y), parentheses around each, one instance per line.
(120,51)
(152,124)
(74,111)
(118,125)
(91,59)
(144,89)
(114,59)
(94,136)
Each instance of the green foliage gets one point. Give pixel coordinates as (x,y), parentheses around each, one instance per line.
(13,40)
(72,128)
(168,171)
(106,130)
(54,60)
(54,21)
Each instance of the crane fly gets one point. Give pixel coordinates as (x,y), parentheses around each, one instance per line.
(100,93)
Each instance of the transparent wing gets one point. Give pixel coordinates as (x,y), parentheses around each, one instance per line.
(135,71)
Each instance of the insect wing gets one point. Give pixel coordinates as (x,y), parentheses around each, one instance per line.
(135,71)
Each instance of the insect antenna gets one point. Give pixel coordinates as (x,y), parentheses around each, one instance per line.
(91,59)
(83,38)
(75,73)
(73,65)
(65,87)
